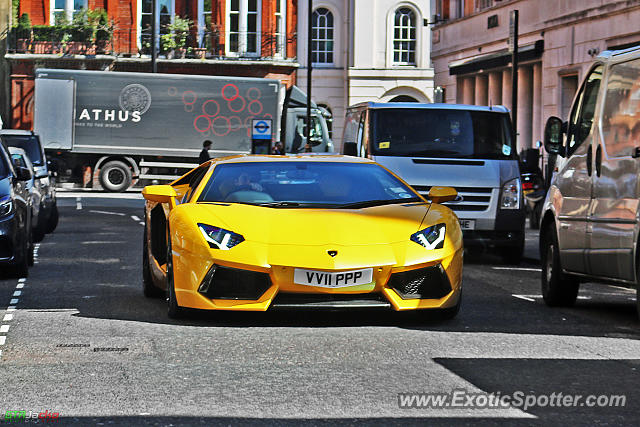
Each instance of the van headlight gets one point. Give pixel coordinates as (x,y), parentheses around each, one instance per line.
(510,195)
(431,238)
(219,238)
(6,206)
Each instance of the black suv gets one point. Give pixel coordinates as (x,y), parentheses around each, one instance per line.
(16,245)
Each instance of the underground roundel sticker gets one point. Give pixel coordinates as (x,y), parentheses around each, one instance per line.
(135,97)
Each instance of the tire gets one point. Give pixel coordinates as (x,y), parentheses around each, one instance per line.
(148,288)
(174,311)
(451,312)
(52,221)
(557,289)
(21,267)
(30,251)
(115,176)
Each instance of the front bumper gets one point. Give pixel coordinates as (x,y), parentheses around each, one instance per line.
(224,286)
(508,231)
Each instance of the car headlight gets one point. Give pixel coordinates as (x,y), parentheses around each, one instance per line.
(432,237)
(510,196)
(219,238)
(6,206)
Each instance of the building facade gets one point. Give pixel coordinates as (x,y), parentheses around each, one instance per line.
(558,41)
(249,38)
(366,50)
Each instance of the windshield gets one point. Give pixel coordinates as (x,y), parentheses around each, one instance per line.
(441,133)
(305,184)
(29,143)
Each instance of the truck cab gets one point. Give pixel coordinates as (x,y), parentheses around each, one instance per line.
(461,146)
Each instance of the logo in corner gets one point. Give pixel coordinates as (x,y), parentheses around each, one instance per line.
(332,253)
(135,97)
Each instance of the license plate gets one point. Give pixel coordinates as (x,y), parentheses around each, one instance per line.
(325,279)
(467,224)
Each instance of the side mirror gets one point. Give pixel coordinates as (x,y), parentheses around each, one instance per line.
(553,136)
(23,174)
(350,149)
(442,194)
(160,194)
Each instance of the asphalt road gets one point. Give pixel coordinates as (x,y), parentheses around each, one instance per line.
(81,340)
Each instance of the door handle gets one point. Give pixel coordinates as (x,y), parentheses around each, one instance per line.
(599,160)
(589,160)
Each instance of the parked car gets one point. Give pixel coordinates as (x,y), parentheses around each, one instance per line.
(16,246)
(44,178)
(590,229)
(21,160)
(467,147)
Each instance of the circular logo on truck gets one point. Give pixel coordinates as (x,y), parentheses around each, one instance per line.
(135,97)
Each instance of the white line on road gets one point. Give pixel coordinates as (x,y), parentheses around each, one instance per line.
(141,222)
(102,242)
(20,286)
(7,317)
(108,213)
(517,269)
(22,279)
(11,308)
(3,339)
(135,218)
(13,301)
(17,293)
(78,203)
(4,329)
(523,297)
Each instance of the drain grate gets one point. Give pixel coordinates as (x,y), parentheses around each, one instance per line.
(72,345)
(116,349)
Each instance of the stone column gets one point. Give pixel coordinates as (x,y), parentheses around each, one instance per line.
(525,101)
(495,88)
(537,103)
(506,88)
(481,89)
(468,90)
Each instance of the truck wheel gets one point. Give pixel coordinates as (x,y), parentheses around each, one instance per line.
(52,221)
(557,290)
(115,176)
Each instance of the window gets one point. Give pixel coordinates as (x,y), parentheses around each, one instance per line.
(165,12)
(581,120)
(404,37)
(322,36)
(205,29)
(243,27)
(281,28)
(65,10)
(483,4)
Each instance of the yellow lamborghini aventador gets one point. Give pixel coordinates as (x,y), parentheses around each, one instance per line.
(262,232)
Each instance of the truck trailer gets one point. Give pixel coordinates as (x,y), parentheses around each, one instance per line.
(116,128)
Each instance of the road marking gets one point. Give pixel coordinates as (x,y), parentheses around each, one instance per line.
(13,301)
(4,329)
(102,242)
(17,293)
(141,222)
(517,269)
(3,339)
(20,286)
(78,203)
(22,280)
(108,213)
(11,308)
(523,297)
(135,218)
(7,317)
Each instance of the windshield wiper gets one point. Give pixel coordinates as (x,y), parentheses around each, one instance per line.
(280,204)
(371,203)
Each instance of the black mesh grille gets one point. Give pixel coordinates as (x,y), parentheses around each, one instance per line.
(424,283)
(231,283)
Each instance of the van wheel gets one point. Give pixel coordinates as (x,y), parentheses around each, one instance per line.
(115,176)
(557,289)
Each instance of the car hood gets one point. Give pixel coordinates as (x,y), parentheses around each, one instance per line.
(377,225)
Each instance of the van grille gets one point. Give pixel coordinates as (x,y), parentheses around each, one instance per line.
(473,198)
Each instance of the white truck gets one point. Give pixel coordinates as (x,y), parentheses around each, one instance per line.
(122,127)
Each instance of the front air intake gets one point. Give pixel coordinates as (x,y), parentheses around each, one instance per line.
(232,283)
(424,283)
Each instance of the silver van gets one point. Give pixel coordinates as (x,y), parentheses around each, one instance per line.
(589,229)
(462,146)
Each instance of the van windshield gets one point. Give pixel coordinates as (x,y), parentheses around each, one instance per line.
(29,143)
(441,133)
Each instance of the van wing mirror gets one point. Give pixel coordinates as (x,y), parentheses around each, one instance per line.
(350,149)
(553,132)
(23,174)
(442,194)
(160,194)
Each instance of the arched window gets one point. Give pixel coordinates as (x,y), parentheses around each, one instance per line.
(404,37)
(322,36)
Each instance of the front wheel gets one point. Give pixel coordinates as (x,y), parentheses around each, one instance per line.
(115,176)
(557,289)
(148,288)
(174,311)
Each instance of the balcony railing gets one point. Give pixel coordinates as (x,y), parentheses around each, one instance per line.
(124,41)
